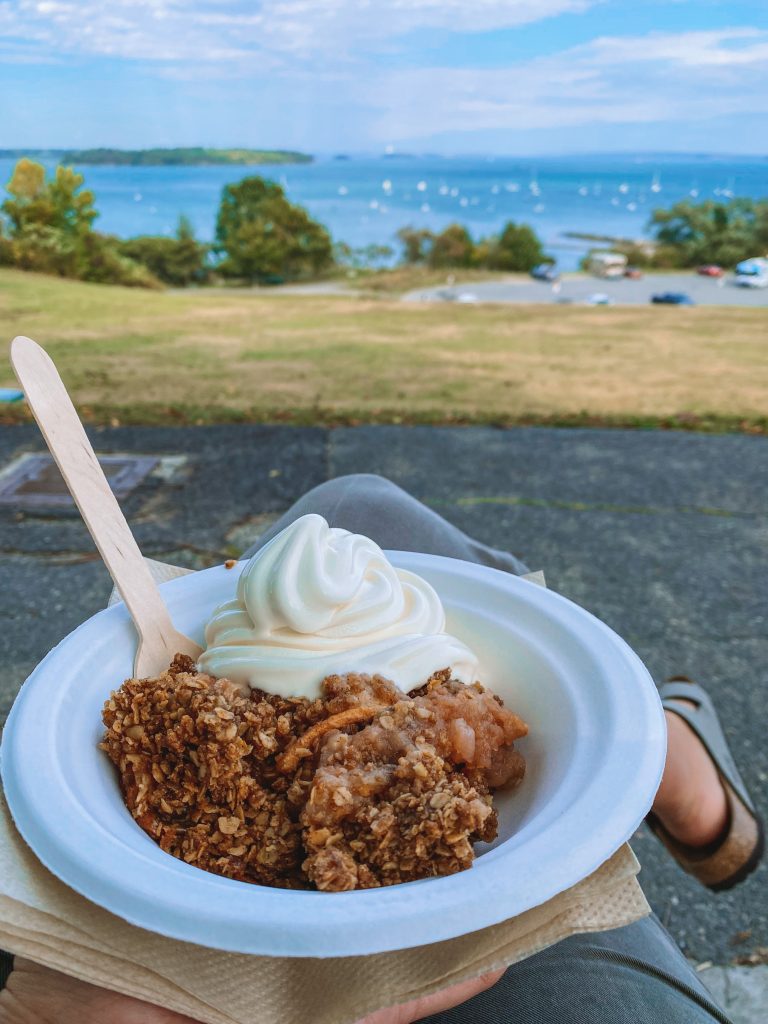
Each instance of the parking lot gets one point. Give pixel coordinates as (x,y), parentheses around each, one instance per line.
(704,291)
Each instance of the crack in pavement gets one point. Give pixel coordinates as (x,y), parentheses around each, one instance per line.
(513,500)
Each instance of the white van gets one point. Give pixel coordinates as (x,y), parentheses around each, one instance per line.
(607,264)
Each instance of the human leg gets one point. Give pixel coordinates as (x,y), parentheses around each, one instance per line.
(630,975)
(376,507)
(690,802)
(369,504)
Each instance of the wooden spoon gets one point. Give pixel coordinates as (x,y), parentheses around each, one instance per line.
(68,443)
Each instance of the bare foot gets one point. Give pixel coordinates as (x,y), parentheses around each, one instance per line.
(691,802)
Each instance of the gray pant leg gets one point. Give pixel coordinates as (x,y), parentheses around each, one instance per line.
(631,975)
(379,509)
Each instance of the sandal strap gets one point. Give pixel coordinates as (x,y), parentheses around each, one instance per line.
(704,721)
(677,689)
(726,862)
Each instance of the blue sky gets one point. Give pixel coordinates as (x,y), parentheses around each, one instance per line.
(454,76)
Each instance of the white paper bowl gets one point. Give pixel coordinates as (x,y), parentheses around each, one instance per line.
(595,754)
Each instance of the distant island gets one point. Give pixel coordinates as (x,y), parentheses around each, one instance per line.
(182,156)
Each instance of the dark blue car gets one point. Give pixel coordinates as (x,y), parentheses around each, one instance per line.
(672,299)
(545,272)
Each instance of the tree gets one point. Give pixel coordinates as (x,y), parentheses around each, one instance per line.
(47,220)
(453,247)
(59,204)
(761,227)
(416,242)
(49,230)
(517,248)
(264,237)
(712,232)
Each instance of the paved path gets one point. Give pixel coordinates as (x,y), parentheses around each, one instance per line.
(662,535)
(578,287)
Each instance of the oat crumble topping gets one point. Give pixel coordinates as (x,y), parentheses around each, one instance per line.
(366,786)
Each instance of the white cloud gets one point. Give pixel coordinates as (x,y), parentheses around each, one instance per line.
(329,53)
(638,80)
(210,31)
(309,26)
(710,49)
(288,31)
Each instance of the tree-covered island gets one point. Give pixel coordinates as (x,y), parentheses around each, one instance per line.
(189,156)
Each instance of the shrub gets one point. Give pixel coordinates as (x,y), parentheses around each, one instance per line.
(179,261)
(103,263)
(40,248)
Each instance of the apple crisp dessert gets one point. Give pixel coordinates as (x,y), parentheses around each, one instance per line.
(362,787)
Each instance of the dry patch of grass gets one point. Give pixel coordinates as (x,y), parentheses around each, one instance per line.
(398,280)
(154,357)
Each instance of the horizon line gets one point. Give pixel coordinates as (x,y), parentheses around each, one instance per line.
(400,153)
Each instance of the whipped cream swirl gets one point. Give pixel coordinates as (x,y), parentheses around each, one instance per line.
(316,601)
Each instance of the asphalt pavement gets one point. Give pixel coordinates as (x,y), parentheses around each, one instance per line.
(577,288)
(662,535)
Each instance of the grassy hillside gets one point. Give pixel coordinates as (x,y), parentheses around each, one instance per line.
(203,356)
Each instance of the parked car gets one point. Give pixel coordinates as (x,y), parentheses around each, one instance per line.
(545,272)
(672,299)
(751,280)
(752,273)
(710,270)
(633,273)
(452,295)
(599,299)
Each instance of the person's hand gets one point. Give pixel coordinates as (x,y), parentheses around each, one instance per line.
(406,1013)
(37,995)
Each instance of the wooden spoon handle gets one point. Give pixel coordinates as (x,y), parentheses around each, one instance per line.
(69,445)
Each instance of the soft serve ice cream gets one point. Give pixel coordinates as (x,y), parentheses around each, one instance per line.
(317,601)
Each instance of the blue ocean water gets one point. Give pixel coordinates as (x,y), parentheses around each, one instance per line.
(366,200)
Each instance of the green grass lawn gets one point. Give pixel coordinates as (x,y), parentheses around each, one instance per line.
(196,356)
